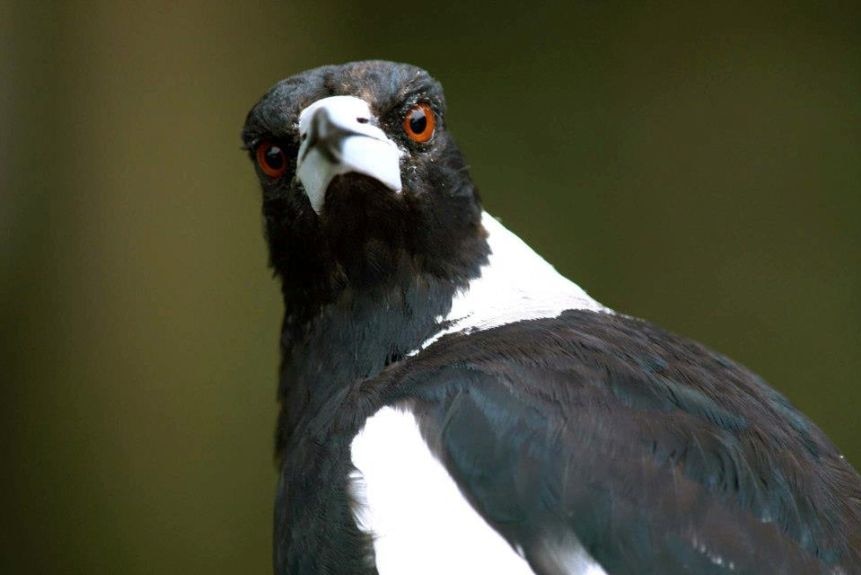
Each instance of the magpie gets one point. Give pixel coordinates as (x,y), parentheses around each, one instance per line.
(449,403)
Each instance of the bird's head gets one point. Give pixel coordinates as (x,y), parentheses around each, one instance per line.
(362,183)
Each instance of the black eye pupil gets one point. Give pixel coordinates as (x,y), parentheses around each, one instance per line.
(275,158)
(418,121)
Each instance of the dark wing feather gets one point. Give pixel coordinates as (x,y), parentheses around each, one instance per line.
(658,454)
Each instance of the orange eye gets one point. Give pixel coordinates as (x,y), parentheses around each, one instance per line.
(271,159)
(420,122)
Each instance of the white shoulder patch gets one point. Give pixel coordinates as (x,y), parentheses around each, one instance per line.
(421,523)
(407,501)
(515,284)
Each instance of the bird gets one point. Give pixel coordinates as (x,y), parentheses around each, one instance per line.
(450,403)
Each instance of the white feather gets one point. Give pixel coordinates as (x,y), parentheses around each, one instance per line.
(515,284)
(419,520)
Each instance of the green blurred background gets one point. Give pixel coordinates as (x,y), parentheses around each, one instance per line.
(698,166)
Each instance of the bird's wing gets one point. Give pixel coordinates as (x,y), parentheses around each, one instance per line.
(650,452)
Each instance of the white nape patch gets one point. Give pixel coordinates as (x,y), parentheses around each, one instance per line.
(515,284)
(418,517)
(366,150)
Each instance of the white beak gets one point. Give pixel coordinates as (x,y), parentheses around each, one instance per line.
(338,137)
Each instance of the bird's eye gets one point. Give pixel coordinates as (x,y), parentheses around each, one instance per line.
(271,159)
(420,122)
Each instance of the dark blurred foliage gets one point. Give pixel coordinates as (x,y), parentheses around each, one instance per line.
(696,166)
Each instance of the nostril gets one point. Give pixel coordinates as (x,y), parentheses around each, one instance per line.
(362,120)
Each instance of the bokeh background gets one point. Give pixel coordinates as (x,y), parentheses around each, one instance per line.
(697,166)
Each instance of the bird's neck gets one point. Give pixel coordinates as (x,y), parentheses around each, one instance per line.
(359,331)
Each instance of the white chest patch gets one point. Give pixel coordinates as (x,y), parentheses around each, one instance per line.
(515,284)
(420,521)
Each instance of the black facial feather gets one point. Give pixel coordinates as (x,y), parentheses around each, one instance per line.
(366,235)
